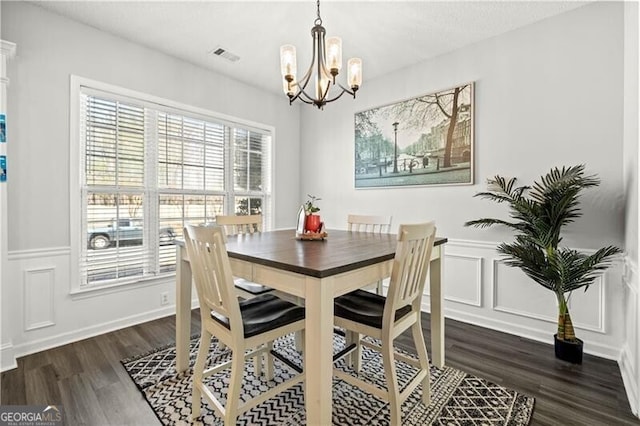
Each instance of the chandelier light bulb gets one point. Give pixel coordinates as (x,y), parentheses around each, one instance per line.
(288,60)
(334,54)
(355,72)
(322,86)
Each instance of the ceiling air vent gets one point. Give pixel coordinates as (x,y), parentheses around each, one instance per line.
(224,53)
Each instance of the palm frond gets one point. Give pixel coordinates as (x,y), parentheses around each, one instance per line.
(531,259)
(485,223)
(497,197)
(581,270)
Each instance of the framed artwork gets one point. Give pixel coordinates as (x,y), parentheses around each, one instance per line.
(3,128)
(3,168)
(426,140)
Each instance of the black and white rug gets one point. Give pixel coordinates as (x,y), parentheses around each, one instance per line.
(457,398)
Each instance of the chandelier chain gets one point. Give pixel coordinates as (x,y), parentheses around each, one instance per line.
(318,20)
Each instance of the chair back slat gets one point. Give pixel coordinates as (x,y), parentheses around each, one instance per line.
(373,224)
(410,267)
(211,270)
(234,225)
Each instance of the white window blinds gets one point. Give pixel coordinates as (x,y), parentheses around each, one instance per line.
(149,170)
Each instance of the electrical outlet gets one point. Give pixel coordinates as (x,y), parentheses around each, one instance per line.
(164,298)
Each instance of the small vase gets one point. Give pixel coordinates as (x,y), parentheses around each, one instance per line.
(312,223)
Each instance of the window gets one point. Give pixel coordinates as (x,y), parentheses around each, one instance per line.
(147,168)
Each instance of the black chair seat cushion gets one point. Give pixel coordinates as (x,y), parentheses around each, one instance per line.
(264,313)
(365,308)
(251,287)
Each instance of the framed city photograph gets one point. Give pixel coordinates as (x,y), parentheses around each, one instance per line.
(426,140)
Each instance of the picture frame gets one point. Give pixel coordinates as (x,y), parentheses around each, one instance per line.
(3,128)
(411,142)
(3,168)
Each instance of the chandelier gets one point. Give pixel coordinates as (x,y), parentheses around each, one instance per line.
(325,66)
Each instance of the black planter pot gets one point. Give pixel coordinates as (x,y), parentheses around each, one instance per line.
(568,351)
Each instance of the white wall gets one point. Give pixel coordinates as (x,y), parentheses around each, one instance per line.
(37,310)
(549,94)
(630,355)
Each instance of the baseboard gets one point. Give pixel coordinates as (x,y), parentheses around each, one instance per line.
(10,352)
(629,379)
(538,335)
(7,357)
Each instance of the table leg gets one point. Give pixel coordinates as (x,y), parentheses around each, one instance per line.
(437,310)
(318,354)
(183,309)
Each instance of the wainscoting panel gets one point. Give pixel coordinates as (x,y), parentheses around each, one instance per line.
(514,293)
(38,287)
(588,309)
(463,279)
(7,357)
(630,356)
(482,290)
(38,312)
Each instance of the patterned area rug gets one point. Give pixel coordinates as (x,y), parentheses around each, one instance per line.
(457,398)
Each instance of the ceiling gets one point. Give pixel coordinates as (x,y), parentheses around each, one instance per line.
(387,35)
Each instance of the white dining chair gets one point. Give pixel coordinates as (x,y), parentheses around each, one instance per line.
(246,327)
(234,225)
(364,223)
(243,224)
(364,313)
(373,224)
(240,224)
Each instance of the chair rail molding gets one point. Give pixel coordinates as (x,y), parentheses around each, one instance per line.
(39,253)
(487,245)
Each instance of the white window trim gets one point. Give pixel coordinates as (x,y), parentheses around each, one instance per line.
(75,170)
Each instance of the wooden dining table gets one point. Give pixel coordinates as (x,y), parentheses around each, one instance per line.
(318,272)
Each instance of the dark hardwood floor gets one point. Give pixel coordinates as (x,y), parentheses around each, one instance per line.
(87,379)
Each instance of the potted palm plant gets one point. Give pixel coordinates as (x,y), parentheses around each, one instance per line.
(539,214)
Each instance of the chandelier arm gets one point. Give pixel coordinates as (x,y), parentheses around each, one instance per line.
(307,75)
(325,92)
(302,85)
(301,88)
(349,91)
(338,96)
(305,101)
(321,70)
(303,94)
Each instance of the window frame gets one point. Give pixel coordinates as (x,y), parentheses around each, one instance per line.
(78,85)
